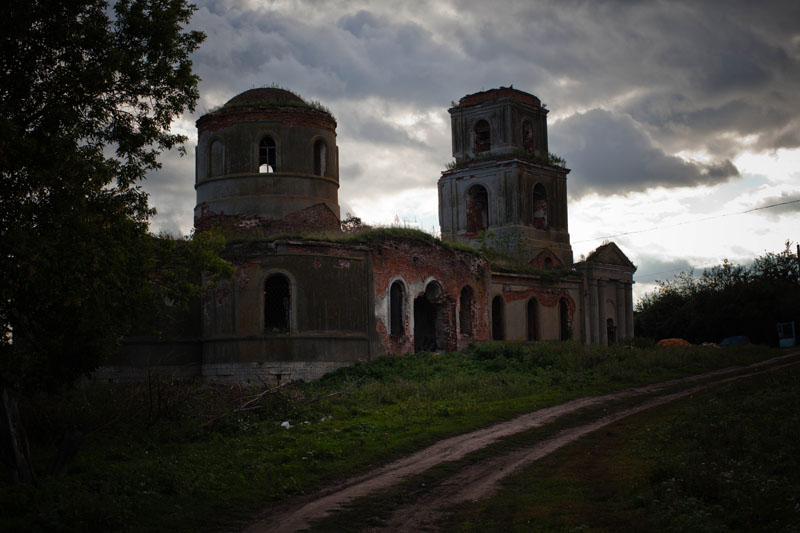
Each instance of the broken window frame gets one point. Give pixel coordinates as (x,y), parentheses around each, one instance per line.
(277,304)
(498,318)
(533,319)
(477,206)
(397,327)
(528,142)
(465,314)
(541,207)
(321,158)
(267,155)
(483,136)
(216,158)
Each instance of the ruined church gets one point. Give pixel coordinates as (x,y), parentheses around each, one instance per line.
(307,299)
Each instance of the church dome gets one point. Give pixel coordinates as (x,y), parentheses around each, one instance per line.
(265,97)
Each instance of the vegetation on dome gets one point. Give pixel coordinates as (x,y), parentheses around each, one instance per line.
(549,159)
(366,235)
(270,96)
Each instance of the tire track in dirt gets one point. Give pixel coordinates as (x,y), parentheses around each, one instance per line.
(481,479)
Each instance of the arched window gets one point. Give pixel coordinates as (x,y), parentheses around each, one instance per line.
(527,136)
(563,314)
(533,320)
(396,310)
(267,155)
(277,304)
(215,158)
(465,303)
(477,209)
(540,206)
(483,137)
(548,263)
(498,320)
(320,158)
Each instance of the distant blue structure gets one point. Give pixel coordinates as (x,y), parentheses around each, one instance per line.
(736,340)
(787,336)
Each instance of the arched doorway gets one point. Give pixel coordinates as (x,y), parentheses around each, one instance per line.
(611,329)
(533,320)
(427,309)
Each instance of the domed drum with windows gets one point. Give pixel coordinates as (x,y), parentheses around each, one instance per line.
(268,154)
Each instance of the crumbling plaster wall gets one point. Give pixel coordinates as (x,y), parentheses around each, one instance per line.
(518,289)
(416,264)
(330,324)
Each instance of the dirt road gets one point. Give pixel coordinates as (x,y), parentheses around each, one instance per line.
(482,478)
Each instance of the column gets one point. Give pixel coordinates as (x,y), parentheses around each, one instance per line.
(594,333)
(629,310)
(601,314)
(621,320)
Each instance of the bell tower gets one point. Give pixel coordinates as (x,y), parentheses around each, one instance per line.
(504,186)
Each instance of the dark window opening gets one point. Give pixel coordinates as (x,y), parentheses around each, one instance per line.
(533,320)
(611,329)
(527,136)
(477,209)
(482,136)
(215,159)
(267,155)
(465,304)
(396,309)
(277,304)
(320,158)
(540,206)
(563,308)
(548,263)
(498,320)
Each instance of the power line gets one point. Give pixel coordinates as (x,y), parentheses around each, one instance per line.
(688,222)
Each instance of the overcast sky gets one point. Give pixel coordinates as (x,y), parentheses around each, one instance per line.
(673,116)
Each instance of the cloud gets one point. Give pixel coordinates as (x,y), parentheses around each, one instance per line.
(633,84)
(774,206)
(610,154)
(651,268)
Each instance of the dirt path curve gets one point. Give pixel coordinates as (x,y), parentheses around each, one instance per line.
(481,479)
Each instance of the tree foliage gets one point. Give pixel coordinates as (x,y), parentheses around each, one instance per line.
(87,96)
(725,300)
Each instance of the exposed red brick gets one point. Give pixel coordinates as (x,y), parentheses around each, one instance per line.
(291,116)
(494,94)
(417,261)
(315,217)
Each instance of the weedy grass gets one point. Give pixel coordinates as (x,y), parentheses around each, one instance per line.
(723,460)
(177,455)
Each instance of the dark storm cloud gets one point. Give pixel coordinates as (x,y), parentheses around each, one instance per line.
(783,204)
(661,77)
(610,154)
(651,268)
(698,68)
(378,131)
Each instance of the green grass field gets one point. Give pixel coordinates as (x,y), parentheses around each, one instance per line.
(198,456)
(723,460)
